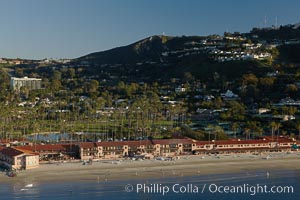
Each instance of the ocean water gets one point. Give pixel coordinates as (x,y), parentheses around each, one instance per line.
(245,185)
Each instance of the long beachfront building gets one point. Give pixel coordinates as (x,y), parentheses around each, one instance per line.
(29,156)
(167,147)
(176,147)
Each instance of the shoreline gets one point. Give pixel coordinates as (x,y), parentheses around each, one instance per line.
(147,169)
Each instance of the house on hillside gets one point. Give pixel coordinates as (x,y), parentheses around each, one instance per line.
(204,114)
(284,117)
(180,90)
(263,110)
(229,95)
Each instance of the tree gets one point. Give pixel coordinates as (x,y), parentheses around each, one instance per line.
(266,82)
(273,126)
(55,84)
(298,129)
(291,89)
(249,79)
(24,91)
(216,76)
(235,126)
(187,132)
(56,75)
(236,112)
(288,110)
(19,72)
(218,103)
(254,128)
(217,131)
(108,98)
(277,126)
(247,133)
(71,73)
(252,91)
(187,77)
(93,87)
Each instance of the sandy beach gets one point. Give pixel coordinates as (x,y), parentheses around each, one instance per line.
(145,169)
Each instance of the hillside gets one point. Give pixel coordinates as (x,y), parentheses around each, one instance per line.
(234,74)
(286,32)
(160,57)
(163,57)
(149,48)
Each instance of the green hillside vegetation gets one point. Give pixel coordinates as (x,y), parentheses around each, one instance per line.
(282,33)
(130,91)
(289,53)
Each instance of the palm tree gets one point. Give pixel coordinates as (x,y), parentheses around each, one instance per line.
(254,128)
(298,128)
(273,127)
(235,127)
(247,133)
(216,130)
(278,125)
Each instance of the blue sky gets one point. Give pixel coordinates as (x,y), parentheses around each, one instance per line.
(40,29)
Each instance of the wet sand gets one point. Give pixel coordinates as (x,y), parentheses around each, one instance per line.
(145,169)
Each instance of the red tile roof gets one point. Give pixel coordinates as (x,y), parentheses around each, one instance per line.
(240,149)
(67,147)
(47,147)
(229,142)
(11,152)
(135,143)
(275,138)
(220,142)
(232,142)
(87,144)
(122,143)
(174,141)
(26,151)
